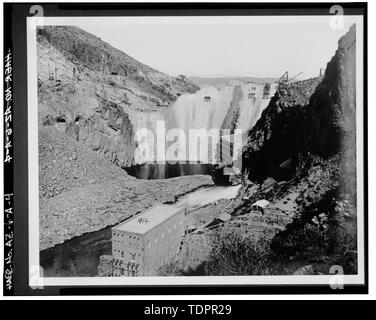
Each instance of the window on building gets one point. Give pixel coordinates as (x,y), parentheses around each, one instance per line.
(174,225)
(149,243)
(169,229)
(122,254)
(162,234)
(156,239)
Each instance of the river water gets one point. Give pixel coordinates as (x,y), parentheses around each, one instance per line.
(79,257)
(165,171)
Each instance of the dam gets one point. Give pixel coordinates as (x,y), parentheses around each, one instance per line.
(225,108)
(166,140)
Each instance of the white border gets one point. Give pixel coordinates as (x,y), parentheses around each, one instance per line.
(34,278)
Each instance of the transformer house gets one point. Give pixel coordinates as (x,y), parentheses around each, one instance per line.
(149,240)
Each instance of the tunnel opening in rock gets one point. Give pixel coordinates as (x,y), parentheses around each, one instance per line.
(61,119)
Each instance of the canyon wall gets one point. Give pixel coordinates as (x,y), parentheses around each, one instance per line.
(101,96)
(300,160)
(312,116)
(97,94)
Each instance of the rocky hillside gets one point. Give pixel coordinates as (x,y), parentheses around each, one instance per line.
(95,91)
(220,81)
(90,53)
(332,111)
(300,156)
(90,97)
(65,164)
(274,139)
(315,116)
(81,192)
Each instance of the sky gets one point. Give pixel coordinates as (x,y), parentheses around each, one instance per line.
(250,46)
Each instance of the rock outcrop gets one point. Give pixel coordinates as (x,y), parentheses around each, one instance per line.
(304,144)
(312,116)
(91,100)
(81,192)
(331,114)
(93,91)
(279,135)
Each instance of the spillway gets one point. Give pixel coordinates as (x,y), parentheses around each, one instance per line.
(235,106)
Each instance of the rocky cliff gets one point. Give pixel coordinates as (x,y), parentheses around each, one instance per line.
(92,91)
(91,100)
(80,192)
(280,133)
(332,112)
(312,116)
(300,156)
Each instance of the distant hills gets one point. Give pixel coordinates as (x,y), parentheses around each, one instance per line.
(214,81)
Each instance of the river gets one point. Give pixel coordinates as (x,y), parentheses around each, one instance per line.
(79,257)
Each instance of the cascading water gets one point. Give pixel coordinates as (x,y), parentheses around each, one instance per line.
(209,107)
(231,106)
(205,109)
(227,107)
(146,121)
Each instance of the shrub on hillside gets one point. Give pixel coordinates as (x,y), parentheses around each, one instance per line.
(235,254)
(172,269)
(324,231)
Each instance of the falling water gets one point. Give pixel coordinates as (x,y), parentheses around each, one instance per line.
(146,120)
(231,106)
(204,109)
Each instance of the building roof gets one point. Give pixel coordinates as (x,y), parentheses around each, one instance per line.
(224,216)
(147,220)
(261,203)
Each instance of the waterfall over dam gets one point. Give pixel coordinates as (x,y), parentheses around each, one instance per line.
(218,107)
(235,106)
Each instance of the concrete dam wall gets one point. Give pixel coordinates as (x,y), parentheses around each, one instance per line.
(226,107)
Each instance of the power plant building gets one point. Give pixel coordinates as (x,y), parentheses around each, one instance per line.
(141,245)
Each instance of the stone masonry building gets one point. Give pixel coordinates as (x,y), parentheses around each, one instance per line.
(141,245)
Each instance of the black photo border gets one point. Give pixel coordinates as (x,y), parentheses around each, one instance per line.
(15,15)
